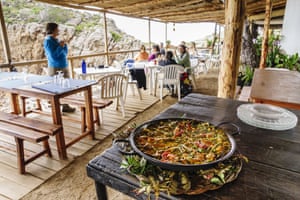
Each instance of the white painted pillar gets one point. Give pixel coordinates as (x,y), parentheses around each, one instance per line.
(291,27)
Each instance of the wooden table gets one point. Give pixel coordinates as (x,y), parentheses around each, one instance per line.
(273,171)
(18,87)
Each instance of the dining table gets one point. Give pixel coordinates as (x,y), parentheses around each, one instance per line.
(272,170)
(44,87)
(92,72)
(152,69)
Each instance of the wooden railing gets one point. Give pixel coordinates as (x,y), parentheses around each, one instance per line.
(70,59)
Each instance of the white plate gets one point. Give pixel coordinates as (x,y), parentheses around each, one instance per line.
(267,111)
(267,116)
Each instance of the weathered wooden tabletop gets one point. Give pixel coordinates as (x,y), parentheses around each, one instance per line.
(273,171)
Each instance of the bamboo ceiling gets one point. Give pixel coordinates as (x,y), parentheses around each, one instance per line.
(175,11)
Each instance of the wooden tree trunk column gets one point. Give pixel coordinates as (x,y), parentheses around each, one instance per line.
(234,20)
(4,37)
(264,48)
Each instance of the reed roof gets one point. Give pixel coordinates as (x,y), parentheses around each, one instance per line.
(174,11)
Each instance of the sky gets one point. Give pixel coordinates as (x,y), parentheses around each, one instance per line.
(175,33)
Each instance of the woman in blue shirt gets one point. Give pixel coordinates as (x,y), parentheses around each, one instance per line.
(56,52)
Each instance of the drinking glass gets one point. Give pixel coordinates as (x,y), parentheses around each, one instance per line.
(25,74)
(55,79)
(66,83)
(60,77)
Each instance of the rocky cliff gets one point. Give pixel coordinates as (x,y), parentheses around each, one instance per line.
(83,31)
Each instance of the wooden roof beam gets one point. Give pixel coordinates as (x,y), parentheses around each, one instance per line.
(184,10)
(261,16)
(260,6)
(160,4)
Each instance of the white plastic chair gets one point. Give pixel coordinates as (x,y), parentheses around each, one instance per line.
(170,75)
(133,83)
(112,87)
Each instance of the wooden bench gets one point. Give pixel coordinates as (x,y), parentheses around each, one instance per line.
(98,104)
(30,130)
(40,126)
(20,134)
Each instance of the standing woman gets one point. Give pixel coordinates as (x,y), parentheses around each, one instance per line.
(56,52)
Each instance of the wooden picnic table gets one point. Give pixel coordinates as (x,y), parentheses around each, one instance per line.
(18,87)
(273,170)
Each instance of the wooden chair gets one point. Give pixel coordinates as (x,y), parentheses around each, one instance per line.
(170,75)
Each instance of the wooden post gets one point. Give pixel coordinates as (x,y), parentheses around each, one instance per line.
(264,48)
(214,40)
(234,20)
(4,37)
(219,42)
(105,38)
(149,34)
(166,32)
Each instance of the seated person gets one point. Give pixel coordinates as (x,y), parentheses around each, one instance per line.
(182,57)
(143,55)
(155,53)
(168,60)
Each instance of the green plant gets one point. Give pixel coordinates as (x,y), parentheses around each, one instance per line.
(276,57)
(289,62)
(248,75)
(79,28)
(209,42)
(115,36)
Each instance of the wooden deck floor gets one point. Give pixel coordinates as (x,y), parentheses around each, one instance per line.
(14,186)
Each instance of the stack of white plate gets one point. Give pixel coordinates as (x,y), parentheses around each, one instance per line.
(267,116)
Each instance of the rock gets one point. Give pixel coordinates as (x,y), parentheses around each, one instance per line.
(74,21)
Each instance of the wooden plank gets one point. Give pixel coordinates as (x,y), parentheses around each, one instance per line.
(12,174)
(37,170)
(20,132)
(34,124)
(4,198)
(12,189)
(45,167)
